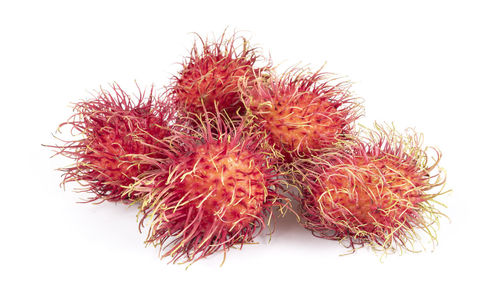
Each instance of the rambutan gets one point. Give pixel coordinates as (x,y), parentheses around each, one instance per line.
(209,79)
(302,112)
(220,193)
(377,192)
(112,128)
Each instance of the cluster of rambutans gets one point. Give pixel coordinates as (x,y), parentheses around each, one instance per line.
(215,154)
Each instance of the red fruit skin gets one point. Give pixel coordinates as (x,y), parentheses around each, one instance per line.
(210,77)
(234,177)
(302,112)
(375,193)
(220,193)
(112,128)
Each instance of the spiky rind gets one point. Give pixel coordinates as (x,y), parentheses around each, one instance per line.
(219,194)
(211,74)
(111,128)
(302,111)
(379,192)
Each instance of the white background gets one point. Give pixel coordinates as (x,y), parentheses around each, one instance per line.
(432,65)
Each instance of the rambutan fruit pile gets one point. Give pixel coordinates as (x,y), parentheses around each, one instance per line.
(212,157)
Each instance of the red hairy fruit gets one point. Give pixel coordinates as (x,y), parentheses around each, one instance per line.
(112,128)
(302,112)
(376,193)
(220,193)
(210,76)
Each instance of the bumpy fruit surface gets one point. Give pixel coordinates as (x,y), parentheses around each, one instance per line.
(302,112)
